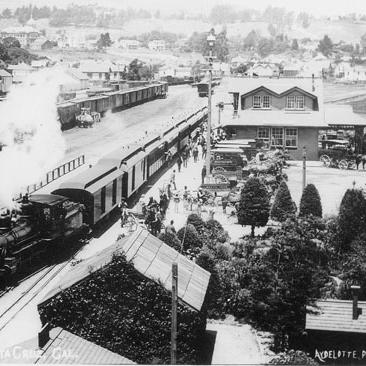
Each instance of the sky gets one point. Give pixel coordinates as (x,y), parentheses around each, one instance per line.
(317,7)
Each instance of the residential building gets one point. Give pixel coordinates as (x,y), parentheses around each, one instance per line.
(102,71)
(40,64)
(5,81)
(282,112)
(77,81)
(20,72)
(25,35)
(129,44)
(38,43)
(157,45)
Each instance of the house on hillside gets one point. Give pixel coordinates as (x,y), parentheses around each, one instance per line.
(129,44)
(40,64)
(102,71)
(281,112)
(25,35)
(5,81)
(157,45)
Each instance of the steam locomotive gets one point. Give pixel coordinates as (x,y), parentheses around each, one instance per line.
(43,223)
(48,222)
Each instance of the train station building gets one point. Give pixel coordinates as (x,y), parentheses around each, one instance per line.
(284,113)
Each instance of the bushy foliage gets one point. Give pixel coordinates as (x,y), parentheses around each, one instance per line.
(118,309)
(283,205)
(172,240)
(293,358)
(254,204)
(213,232)
(191,242)
(351,218)
(196,221)
(310,203)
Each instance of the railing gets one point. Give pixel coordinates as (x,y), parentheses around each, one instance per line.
(55,174)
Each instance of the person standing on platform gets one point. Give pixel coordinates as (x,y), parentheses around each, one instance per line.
(172,180)
(203,174)
(184,158)
(195,154)
(179,163)
(204,151)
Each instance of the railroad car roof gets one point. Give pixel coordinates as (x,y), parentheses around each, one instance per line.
(47,199)
(227,150)
(88,177)
(153,259)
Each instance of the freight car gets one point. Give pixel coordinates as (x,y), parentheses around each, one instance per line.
(114,101)
(42,224)
(122,174)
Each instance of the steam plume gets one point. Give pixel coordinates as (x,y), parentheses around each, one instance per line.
(31,132)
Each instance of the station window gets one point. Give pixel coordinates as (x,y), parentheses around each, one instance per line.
(256,101)
(263,133)
(295,102)
(266,101)
(291,137)
(277,137)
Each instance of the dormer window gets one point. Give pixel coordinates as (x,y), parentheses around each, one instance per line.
(296,102)
(261,102)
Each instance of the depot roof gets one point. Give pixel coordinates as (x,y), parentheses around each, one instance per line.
(275,84)
(153,259)
(276,118)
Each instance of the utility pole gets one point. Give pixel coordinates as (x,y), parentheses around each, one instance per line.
(173,349)
(303,168)
(211,42)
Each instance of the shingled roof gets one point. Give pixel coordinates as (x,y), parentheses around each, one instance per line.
(336,316)
(65,348)
(153,259)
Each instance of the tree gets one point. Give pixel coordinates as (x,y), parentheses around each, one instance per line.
(295,45)
(310,203)
(3,53)
(254,204)
(251,40)
(104,41)
(11,42)
(6,13)
(325,46)
(196,221)
(172,240)
(191,242)
(265,46)
(283,206)
(351,217)
(304,19)
(293,357)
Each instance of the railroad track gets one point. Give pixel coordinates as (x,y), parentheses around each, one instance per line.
(32,291)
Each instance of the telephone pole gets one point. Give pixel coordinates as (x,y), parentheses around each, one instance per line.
(173,349)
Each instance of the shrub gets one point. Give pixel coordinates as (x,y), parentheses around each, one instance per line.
(120,310)
(310,203)
(351,218)
(254,204)
(213,233)
(172,240)
(196,221)
(191,242)
(283,206)
(292,357)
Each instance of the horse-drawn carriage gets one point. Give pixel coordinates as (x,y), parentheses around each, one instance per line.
(86,118)
(342,158)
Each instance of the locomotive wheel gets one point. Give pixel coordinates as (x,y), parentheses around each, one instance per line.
(343,164)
